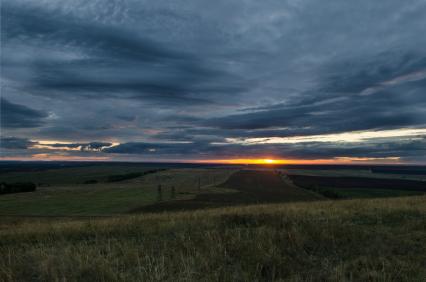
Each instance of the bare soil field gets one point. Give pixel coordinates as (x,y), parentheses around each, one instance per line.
(357,182)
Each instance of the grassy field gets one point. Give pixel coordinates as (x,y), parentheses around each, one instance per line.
(108,198)
(350,240)
(106,231)
(194,188)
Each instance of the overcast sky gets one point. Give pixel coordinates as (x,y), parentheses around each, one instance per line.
(190,80)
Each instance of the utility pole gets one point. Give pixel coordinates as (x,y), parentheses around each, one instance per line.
(173,193)
(159,193)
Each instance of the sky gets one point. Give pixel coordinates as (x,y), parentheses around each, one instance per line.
(300,81)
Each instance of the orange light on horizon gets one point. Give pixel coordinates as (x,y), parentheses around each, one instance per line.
(248,161)
(336,160)
(265,161)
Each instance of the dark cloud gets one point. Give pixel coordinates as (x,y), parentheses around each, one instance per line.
(356,97)
(357,74)
(120,63)
(154,148)
(178,78)
(409,149)
(33,21)
(15,143)
(340,117)
(20,116)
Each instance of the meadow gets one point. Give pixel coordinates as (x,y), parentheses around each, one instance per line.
(210,224)
(348,240)
(73,197)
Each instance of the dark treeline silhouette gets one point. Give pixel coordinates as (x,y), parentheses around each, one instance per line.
(19,187)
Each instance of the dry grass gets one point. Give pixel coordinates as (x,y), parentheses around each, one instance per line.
(354,240)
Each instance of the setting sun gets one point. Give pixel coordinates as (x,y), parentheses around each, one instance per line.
(248,161)
(337,160)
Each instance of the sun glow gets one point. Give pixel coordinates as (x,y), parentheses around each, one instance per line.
(247,161)
(335,160)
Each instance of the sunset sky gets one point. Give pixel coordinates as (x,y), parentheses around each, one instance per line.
(225,81)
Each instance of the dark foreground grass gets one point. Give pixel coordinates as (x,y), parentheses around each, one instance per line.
(350,240)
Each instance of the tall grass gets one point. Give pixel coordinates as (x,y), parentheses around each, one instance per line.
(349,240)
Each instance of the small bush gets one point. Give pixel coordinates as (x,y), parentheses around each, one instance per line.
(19,187)
(329,193)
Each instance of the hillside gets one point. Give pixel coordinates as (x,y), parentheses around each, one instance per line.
(361,240)
(241,188)
(103,197)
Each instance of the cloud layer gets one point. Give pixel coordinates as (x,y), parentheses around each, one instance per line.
(161,80)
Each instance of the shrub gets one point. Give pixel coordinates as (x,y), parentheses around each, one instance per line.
(18,187)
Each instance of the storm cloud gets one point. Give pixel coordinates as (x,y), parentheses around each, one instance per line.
(178,80)
(20,116)
(15,143)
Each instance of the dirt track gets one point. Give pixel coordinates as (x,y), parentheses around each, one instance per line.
(357,182)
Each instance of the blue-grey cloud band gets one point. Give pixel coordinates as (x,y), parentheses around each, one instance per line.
(181,80)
